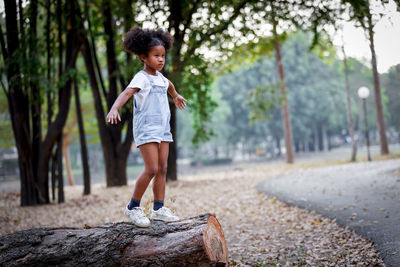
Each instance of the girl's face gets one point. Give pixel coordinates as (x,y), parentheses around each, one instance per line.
(155,58)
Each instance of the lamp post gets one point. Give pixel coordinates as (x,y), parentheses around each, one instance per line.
(363,93)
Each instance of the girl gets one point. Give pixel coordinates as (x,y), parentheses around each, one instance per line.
(151,119)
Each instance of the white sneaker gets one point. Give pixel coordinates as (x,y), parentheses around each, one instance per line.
(137,216)
(163,214)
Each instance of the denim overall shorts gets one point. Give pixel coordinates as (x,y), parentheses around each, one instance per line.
(151,121)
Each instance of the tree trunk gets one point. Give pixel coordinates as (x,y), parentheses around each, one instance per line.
(377,90)
(48,61)
(110,53)
(82,139)
(115,154)
(316,142)
(197,241)
(320,137)
(285,108)
(18,104)
(115,150)
(65,151)
(53,161)
(35,102)
(349,116)
(278,145)
(54,132)
(172,170)
(34,152)
(60,175)
(325,138)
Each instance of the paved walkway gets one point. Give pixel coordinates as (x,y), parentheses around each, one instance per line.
(363,196)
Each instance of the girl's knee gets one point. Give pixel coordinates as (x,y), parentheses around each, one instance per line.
(151,171)
(162,169)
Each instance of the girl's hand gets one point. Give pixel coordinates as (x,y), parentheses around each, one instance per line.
(180,101)
(113,116)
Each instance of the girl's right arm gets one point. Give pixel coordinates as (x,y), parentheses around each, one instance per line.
(113,115)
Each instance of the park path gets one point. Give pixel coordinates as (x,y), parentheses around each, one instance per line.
(363,196)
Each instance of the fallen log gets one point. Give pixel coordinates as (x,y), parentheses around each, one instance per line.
(197,241)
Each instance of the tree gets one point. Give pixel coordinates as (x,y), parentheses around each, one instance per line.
(24,96)
(361,13)
(235,88)
(348,102)
(285,108)
(194,25)
(82,139)
(286,13)
(314,98)
(116,145)
(75,120)
(317,103)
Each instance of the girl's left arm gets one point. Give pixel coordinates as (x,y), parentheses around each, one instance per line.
(180,101)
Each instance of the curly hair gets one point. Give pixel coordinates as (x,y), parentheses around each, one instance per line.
(139,41)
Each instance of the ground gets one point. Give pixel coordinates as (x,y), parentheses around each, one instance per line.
(363,196)
(260,230)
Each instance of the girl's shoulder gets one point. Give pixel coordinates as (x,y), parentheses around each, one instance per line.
(140,76)
(140,81)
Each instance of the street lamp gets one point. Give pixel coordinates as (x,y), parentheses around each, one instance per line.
(363,93)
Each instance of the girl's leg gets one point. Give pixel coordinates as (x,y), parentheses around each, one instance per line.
(159,179)
(158,212)
(149,153)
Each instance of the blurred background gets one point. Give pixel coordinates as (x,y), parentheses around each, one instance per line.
(266,81)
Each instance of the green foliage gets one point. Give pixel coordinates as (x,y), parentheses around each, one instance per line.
(263,100)
(235,87)
(315,95)
(316,92)
(196,84)
(199,27)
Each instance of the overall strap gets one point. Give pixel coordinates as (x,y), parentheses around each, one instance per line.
(151,80)
(163,78)
(148,78)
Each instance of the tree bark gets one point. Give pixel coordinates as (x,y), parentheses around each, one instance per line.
(325,138)
(377,90)
(60,175)
(172,170)
(53,162)
(48,60)
(115,154)
(320,137)
(18,103)
(59,7)
(82,139)
(54,132)
(197,241)
(35,103)
(285,108)
(118,151)
(110,53)
(316,137)
(65,152)
(349,116)
(115,150)
(34,152)
(278,145)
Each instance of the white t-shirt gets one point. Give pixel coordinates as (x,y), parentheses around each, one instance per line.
(142,82)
